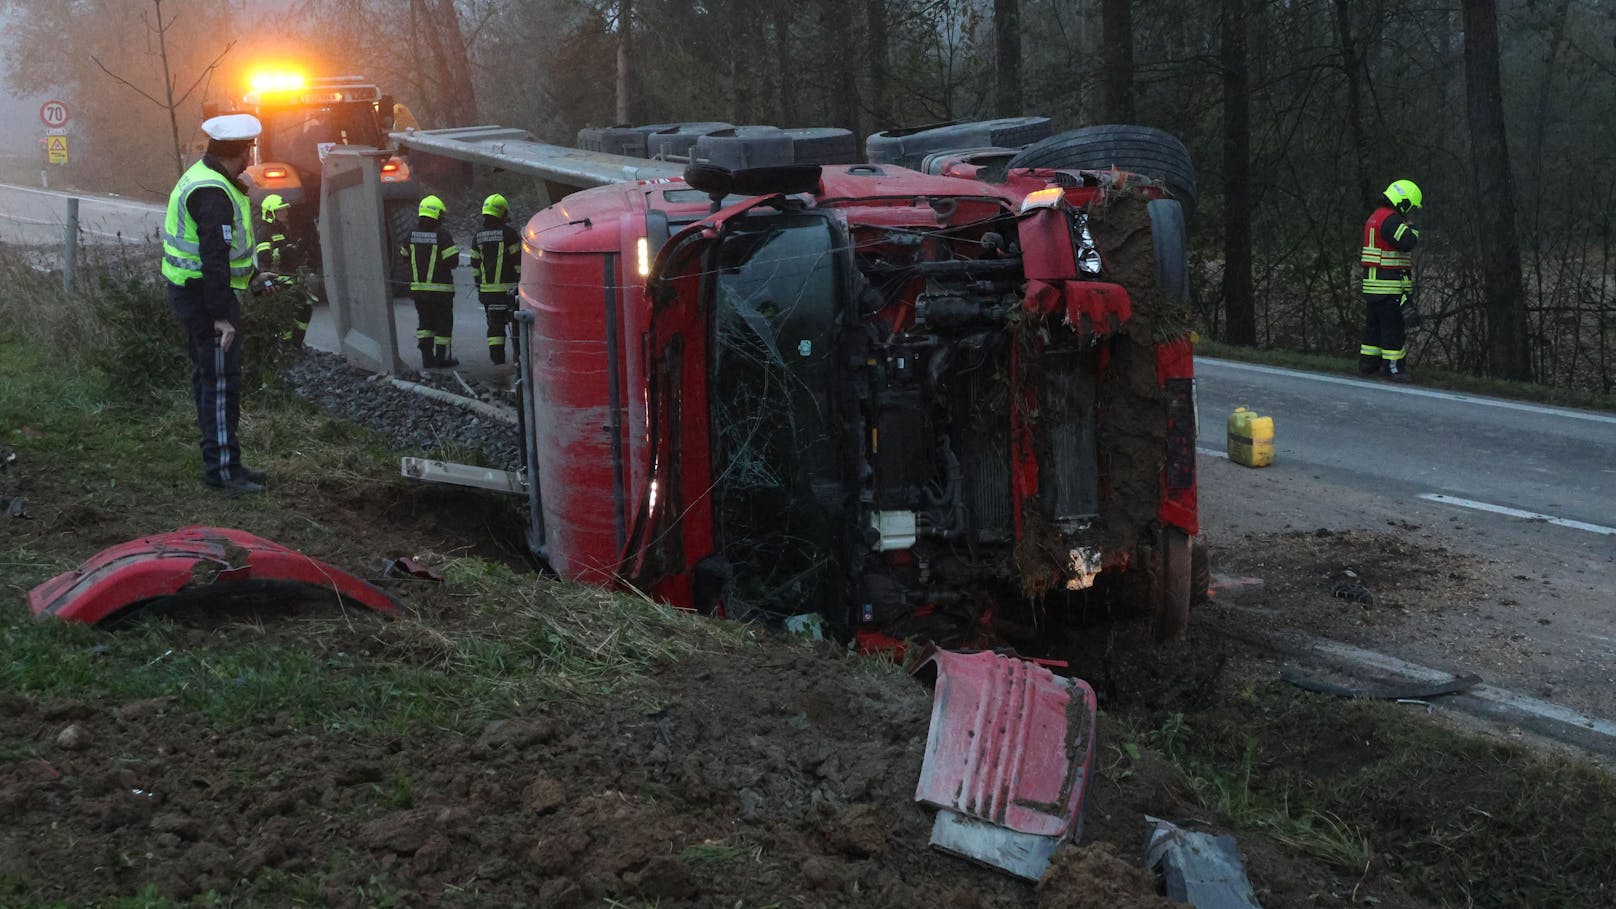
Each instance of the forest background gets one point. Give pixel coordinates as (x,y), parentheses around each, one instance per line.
(1296,113)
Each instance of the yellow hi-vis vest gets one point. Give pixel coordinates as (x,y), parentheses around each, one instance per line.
(182,253)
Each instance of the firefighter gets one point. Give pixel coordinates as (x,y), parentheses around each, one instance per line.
(1388,283)
(280,254)
(208,262)
(496,254)
(432,254)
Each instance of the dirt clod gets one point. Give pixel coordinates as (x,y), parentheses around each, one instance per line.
(1095,877)
(73,738)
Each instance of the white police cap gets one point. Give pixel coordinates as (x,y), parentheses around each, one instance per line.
(233,128)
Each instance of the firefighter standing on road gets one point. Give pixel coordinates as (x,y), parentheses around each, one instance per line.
(433,256)
(208,262)
(496,254)
(1388,283)
(282,254)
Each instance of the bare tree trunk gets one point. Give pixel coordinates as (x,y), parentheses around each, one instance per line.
(745,79)
(1007,57)
(875,15)
(1508,351)
(1116,58)
(844,79)
(625,21)
(1237,286)
(436,23)
(168,89)
(1352,66)
(786,101)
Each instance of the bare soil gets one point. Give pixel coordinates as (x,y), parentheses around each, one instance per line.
(781,773)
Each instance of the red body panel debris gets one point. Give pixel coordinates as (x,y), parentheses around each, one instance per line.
(187,559)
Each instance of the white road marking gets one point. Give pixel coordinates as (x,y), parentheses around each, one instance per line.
(1518,513)
(90,198)
(1418,392)
(1211,452)
(1501,696)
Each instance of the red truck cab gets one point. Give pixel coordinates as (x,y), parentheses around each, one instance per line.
(923,406)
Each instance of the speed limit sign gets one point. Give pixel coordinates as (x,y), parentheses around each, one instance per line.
(54,114)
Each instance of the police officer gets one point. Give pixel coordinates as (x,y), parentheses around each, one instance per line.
(207,262)
(496,254)
(1388,282)
(281,254)
(433,255)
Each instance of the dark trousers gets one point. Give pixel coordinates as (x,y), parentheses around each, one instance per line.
(497,307)
(434,314)
(215,382)
(1383,335)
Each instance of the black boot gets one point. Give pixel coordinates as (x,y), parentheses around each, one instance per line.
(445,355)
(1397,371)
(429,356)
(496,352)
(1368,364)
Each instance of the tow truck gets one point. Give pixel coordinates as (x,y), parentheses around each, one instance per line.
(305,117)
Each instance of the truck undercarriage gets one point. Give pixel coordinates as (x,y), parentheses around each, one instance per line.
(904,425)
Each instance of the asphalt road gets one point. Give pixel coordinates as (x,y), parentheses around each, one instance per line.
(37,216)
(1519,499)
(1538,475)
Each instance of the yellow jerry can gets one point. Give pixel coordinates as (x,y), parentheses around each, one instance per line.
(1251,438)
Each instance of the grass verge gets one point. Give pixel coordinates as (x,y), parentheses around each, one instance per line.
(1461,820)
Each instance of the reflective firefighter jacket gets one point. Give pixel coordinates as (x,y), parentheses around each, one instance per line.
(496,254)
(1387,242)
(433,255)
(279,253)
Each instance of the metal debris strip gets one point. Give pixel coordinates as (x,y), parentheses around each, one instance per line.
(1390,691)
(1200,869)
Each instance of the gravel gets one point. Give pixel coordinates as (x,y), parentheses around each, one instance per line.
(413,423)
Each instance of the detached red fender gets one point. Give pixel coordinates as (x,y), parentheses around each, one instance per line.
(186,560)
(1008,758)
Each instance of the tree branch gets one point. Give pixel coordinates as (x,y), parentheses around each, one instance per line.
(206,71)
(138,89)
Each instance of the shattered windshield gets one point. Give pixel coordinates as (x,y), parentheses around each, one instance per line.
(778,490)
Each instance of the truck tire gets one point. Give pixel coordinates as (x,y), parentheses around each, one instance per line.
(1172,608)
(1172,253)
(1200,573)
(909,147)
(401,218)
(745,147)
(823,145)
(676,140)
(1137,149)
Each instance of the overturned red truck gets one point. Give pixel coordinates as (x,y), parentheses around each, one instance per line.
(950,402)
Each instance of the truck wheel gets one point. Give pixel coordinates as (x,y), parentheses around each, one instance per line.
(909,147)
(743,147)
(401,217)
(1200,573)
(823,145)
(1172,618)
(1136,149)
(1172,254)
